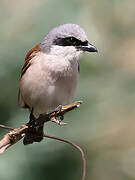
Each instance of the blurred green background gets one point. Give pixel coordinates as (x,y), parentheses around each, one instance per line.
(104,126)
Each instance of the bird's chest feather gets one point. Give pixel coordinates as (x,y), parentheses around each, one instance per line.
(55,78)
(62,77)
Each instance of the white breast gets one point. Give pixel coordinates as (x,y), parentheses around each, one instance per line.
(49,82)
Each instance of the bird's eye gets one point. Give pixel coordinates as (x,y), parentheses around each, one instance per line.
(71,40)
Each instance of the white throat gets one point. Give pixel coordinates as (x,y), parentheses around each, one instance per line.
(68,52)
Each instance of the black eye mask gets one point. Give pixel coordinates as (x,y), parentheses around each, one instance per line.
(69,41)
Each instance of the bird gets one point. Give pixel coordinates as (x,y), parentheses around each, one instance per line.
(50,73)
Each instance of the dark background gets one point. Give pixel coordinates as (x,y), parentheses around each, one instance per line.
(104,126)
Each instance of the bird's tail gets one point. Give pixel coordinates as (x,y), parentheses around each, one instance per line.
(34,134)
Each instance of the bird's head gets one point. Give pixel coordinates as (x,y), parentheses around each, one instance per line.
(68,41)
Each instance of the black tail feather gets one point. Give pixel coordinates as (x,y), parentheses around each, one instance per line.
(35,131)
(34,134)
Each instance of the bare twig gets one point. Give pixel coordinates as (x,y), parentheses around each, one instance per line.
(75,146)
(6,127)
(12,137)
(16,134)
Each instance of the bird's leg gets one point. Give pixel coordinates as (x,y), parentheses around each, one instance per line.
(32,119)
(58,109)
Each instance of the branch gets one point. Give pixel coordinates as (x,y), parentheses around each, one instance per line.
(12,137)
(16,134)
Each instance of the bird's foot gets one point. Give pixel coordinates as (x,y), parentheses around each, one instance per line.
(58,122)
(32,120)
(58,110)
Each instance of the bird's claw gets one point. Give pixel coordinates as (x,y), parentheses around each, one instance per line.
(58,122)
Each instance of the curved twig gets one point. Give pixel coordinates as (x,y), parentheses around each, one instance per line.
(75,146)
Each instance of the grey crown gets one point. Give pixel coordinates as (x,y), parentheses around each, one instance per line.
(62,31)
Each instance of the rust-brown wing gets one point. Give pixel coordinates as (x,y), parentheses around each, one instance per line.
(28,57)
(27,64)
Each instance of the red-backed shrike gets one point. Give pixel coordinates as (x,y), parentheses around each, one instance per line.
(49,75)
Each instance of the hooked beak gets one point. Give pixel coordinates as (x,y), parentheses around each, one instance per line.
(89,48)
